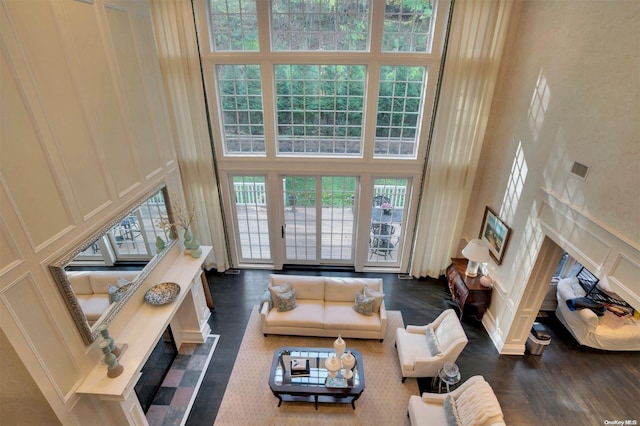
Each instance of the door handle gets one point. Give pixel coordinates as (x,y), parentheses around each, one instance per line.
(282,228)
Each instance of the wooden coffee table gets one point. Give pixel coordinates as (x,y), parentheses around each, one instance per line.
(318,387)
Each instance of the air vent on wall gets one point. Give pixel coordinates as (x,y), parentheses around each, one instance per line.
(580,170)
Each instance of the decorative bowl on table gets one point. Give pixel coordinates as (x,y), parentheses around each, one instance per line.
(162,294)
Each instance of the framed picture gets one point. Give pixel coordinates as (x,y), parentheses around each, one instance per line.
(496,233)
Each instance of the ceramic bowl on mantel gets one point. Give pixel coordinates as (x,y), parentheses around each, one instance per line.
(162,294)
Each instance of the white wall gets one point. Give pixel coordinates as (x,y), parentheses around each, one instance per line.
(568,90)
(85,132)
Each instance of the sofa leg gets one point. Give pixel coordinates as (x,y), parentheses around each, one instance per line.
(403,379)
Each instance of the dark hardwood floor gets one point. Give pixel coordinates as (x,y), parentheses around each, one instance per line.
(567,384)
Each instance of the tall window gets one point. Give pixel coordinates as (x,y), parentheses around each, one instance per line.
(320,77)
(319,108)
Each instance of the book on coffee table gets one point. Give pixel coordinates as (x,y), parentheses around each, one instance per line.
(299,367)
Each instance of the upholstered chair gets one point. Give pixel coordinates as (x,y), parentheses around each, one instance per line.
(473,403)
(423,349)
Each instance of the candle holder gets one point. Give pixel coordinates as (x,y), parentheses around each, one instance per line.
(104,331)
(114,368)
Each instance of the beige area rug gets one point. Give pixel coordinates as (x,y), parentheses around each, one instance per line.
(249,401)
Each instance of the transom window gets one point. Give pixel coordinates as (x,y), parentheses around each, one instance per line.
(320,25)
(346,78)
(320,108)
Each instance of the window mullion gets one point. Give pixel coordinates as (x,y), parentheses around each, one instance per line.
(377,21)
(263,10)
(264,35)
(369,136)
(269,108)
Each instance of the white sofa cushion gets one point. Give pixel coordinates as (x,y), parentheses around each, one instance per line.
(93,306)
(308,290)
(307,287)
(100,280)
(342,289)
(448,331)
(80,282)
(340,315)
(409,346)
(308,314)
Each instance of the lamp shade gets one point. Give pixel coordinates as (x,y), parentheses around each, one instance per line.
(477,252)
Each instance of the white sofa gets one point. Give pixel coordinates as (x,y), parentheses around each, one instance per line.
(475,403)
(91,289)
(608,332)
(324,308)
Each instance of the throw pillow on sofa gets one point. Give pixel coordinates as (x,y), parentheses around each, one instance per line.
(376,295)
(286,301)
(275,290)
(117,293)
(363,304)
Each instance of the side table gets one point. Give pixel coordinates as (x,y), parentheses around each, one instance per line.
(447,378)
(467,291)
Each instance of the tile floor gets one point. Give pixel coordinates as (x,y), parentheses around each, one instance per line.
(180,386)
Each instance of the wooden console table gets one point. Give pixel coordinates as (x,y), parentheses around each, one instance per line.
(466,291)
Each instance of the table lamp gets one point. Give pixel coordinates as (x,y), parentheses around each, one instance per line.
(476,252)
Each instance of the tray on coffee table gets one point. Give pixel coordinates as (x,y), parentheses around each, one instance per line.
(315,386)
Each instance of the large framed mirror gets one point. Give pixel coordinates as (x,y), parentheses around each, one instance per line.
(101,274)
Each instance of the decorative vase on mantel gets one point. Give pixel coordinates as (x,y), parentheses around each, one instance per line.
(160,244)
(196,250)
(188,237)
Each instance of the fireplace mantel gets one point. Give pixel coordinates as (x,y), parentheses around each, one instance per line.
(145,327)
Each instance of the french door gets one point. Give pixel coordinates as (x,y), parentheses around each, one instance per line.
(318,223)
(319,220)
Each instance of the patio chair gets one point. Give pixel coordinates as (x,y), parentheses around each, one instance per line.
(380,240)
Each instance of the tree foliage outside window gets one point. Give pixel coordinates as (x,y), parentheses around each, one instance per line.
(407,26)
(319,102)
(324,25)
(241,105)
(233,25)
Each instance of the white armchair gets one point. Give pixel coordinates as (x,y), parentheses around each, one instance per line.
(474,403)
(424,349)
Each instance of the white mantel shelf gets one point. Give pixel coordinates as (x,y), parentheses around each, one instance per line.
(142,333)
